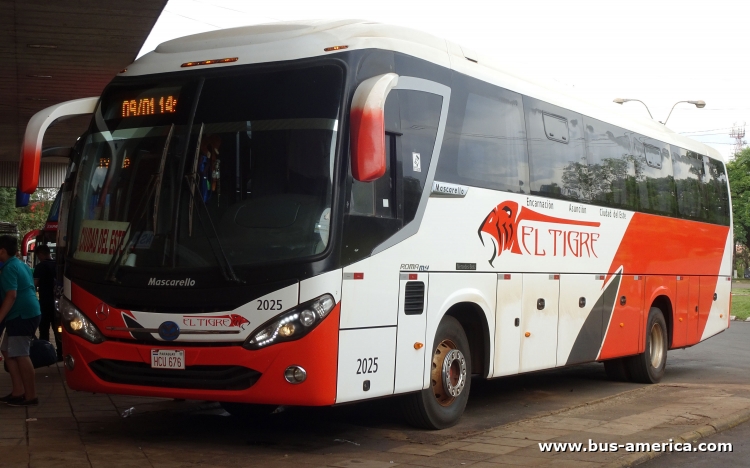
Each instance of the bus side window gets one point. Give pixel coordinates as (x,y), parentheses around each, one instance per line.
(420,115)
(610,165)
(557,158)
(688,176)
(715,192)
(378,198)
(654,181)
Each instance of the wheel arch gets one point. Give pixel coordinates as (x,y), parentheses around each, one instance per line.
(664,303)
(473,320)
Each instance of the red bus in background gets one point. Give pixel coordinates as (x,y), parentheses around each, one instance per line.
(47,235)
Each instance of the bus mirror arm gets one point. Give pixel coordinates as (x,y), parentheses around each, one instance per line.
(31,151)
(367,134)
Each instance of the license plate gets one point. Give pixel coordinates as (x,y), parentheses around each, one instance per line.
(168,359)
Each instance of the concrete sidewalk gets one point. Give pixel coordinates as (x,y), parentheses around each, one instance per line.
(650,414)
(72,429)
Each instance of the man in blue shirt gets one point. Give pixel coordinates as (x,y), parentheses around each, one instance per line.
(20,310)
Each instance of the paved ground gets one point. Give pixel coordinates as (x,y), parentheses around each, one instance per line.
(739,437)
(504,422)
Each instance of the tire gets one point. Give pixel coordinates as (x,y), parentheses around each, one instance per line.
(438,406)
(649,366)
(247,410)
(617,370)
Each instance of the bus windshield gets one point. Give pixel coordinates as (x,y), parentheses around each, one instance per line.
(238,163)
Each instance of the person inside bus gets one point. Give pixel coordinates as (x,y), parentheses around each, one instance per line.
(20,310)
(45,278)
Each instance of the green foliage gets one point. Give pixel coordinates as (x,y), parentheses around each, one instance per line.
(739,184)
(30,217)
(740,304)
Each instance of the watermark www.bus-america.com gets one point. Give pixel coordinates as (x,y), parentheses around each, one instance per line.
(640,447)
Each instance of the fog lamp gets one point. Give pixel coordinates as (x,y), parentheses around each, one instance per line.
(70,362)
(295,375)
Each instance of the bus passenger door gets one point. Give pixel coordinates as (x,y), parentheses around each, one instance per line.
(508,323)
(539,322)
(694,331)
(681,312)
(412,322)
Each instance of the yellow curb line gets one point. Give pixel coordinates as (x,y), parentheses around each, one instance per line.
(716,426)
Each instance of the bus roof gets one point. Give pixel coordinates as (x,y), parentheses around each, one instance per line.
(301,39)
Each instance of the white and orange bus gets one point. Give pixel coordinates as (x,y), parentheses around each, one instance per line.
(326,212)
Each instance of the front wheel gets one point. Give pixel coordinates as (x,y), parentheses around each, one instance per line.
(649,366)
(442,403)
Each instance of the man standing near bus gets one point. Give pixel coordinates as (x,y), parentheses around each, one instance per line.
(20,310)
(45,277)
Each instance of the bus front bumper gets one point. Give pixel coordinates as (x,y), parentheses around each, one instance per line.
(215,373)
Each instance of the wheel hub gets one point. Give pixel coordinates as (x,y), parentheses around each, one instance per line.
(448,372)
(656,346)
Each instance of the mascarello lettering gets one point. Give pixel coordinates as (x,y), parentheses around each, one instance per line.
(187,282)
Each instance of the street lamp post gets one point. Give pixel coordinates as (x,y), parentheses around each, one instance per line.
(698,104)
(621,101)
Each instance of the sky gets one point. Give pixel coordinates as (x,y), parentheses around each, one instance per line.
(658,51)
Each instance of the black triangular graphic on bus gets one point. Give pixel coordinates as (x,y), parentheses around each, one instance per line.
(589,340)
(130,323)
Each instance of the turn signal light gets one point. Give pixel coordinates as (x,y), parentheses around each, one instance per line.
(527,334)
(338,47)
(418,345)
(209,62)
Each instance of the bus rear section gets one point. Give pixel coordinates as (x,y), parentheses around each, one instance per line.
(373,222)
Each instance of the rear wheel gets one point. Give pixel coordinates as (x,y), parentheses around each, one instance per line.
(442,404)
(247,410)
(649,366)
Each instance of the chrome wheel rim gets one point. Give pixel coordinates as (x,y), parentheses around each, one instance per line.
(656,346)
(448,375)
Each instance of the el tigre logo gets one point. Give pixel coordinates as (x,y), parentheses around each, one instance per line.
(503,225)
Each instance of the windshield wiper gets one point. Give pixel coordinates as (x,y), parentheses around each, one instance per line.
(160,176)
(193,181)
(154,185)
(226,266)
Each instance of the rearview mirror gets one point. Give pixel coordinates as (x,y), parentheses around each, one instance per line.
(31,152)
(367,133)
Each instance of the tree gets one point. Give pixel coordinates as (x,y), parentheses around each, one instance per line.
(738,171)
(30,217)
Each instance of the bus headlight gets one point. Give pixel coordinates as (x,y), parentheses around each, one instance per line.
(78,324)
(292,324)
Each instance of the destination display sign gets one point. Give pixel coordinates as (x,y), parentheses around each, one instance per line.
(149,106)
(132,102)
(98,240)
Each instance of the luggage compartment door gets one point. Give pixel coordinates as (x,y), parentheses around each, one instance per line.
(541,294)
